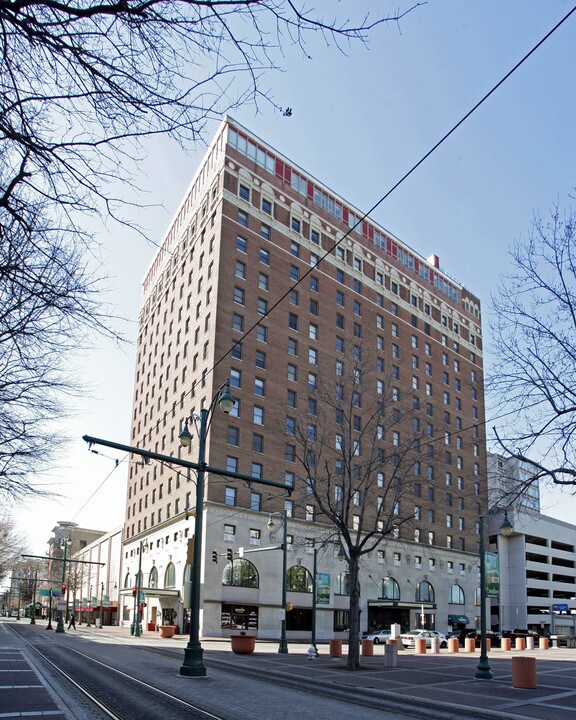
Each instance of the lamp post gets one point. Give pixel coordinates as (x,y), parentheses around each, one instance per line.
(193,665)
(136,619)
(483,670)
(100,615)
(314,598)
(64,544)
(272,527)
(33,613)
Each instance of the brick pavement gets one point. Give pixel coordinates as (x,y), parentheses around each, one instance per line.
(444,682)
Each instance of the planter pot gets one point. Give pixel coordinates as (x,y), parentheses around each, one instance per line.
(167,631)
(243,644)
(151,627)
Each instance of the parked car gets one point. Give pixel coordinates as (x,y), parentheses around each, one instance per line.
(409,638)
(494,637)
(520,633)
(14,613)
(460,634)
(441,636)
(378,636)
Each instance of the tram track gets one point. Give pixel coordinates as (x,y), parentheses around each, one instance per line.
(113,693)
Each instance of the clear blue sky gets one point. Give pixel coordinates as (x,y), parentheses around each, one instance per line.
(359,122)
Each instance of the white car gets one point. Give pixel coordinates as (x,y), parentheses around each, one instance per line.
(378,636)
(14,613)
(409,638)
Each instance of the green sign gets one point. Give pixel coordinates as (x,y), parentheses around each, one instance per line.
(105,600)
(323,588)
(492,570)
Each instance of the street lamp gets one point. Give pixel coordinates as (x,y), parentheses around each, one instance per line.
(273,524)
(136,619)
(64,544)
(483,670)
(99,626)
(193,665)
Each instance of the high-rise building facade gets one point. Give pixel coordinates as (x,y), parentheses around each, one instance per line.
(269,279)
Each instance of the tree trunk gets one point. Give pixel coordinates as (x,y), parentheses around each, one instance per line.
(354,630)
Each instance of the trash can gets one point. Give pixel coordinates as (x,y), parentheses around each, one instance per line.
(390,655)
(335,648)
(367,647)
(524,672)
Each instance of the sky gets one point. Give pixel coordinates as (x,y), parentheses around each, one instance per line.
(360,120)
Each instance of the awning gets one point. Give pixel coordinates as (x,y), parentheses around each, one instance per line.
(458,620)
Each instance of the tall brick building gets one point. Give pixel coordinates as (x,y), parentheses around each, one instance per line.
(270,279)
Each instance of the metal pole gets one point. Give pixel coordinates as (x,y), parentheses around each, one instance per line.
(283,647)
(314,599)
(33,613)
(193,665)
(101,601)
(49,626)
(60,623)
(483,671)
(138,591)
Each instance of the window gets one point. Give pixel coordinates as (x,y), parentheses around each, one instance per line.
(315,237)
(293,321)
(314,284)
(257,444)
(290,453)
(243,218)
(260,359)
(238,322)
(292,346)
(258,415)
(262,281)
(290,426)
(313,356)
(295,224)
(259,387)
(261,333)
(265,231)
(291,398)
(244,192)
(241,244)
(237,351)
(294,273)
(266,206)
(262,306)
(339,298)
(456,595)
(264,256)
(230,496)
(314,307)
(233,436)
(239,296)
(235,378)
(240,573)
(292,373)
(240,269)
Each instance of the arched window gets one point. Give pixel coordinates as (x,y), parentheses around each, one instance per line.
(128,580)
(456,595)
(187,573)
(240,573)
(390,589)
(153,578)
(343,584)
(425,592)
(170,576)
(298,579)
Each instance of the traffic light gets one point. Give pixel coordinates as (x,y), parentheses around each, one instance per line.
(230,555)
(63,587)
(134,591)
(215,556)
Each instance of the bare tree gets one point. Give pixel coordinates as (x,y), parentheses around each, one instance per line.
(11,545)
(81,86)
(534,377)
(357,456)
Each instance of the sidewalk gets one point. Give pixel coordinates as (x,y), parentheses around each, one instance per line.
(444,681)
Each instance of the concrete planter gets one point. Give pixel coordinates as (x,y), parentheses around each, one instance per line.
(243,644)
(167,631)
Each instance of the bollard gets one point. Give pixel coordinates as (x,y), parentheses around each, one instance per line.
(335,648)
(470,644)
(488,644)
(529,643)
(453,645)
(435,645)
(543,643)
(520,644)
(420,646)
(367,648)
(524,672)
(506,643)
(390,654)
